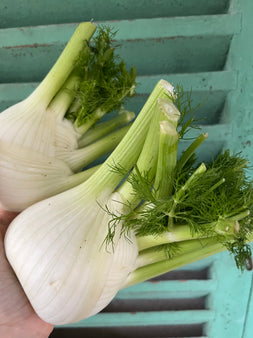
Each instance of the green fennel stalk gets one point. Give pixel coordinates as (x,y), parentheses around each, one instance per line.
(104,128)
(64,65)
(167,158)
(82,157)
(158,262)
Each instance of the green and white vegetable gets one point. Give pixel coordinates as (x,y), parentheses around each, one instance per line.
(40,152)
(144,211)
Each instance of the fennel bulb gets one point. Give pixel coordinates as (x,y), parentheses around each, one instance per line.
(66,270)
(28,176)
(59,247)
(40,154)
(30,132)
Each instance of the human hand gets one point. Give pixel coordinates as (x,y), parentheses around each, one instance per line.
(17,317)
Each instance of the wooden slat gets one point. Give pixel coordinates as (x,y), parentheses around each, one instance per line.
(171,45)
(11,93)
(216,133)
(208,88)
(203,81)
(146,318)
(202,264)
(224,80)
(217,25)
(230,299)
(17,13)
(218,138)
(168,289)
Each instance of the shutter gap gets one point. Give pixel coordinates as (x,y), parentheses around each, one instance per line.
(144,305)
(161,331)
(201,274)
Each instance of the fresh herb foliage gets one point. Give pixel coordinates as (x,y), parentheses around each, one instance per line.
(216,202)
(105,81)
(183,101)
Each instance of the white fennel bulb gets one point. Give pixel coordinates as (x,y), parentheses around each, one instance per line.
(32,122)
(66,138)
(27,176)
(39,150)
(29,169)
(58,252)
(28,125)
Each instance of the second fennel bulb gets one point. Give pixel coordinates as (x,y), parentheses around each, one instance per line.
(57,250)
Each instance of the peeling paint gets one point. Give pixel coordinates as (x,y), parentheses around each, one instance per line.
(35,45)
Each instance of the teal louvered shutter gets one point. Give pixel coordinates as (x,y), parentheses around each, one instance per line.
(207,47)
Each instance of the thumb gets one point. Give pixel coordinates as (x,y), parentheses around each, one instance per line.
(6,217)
